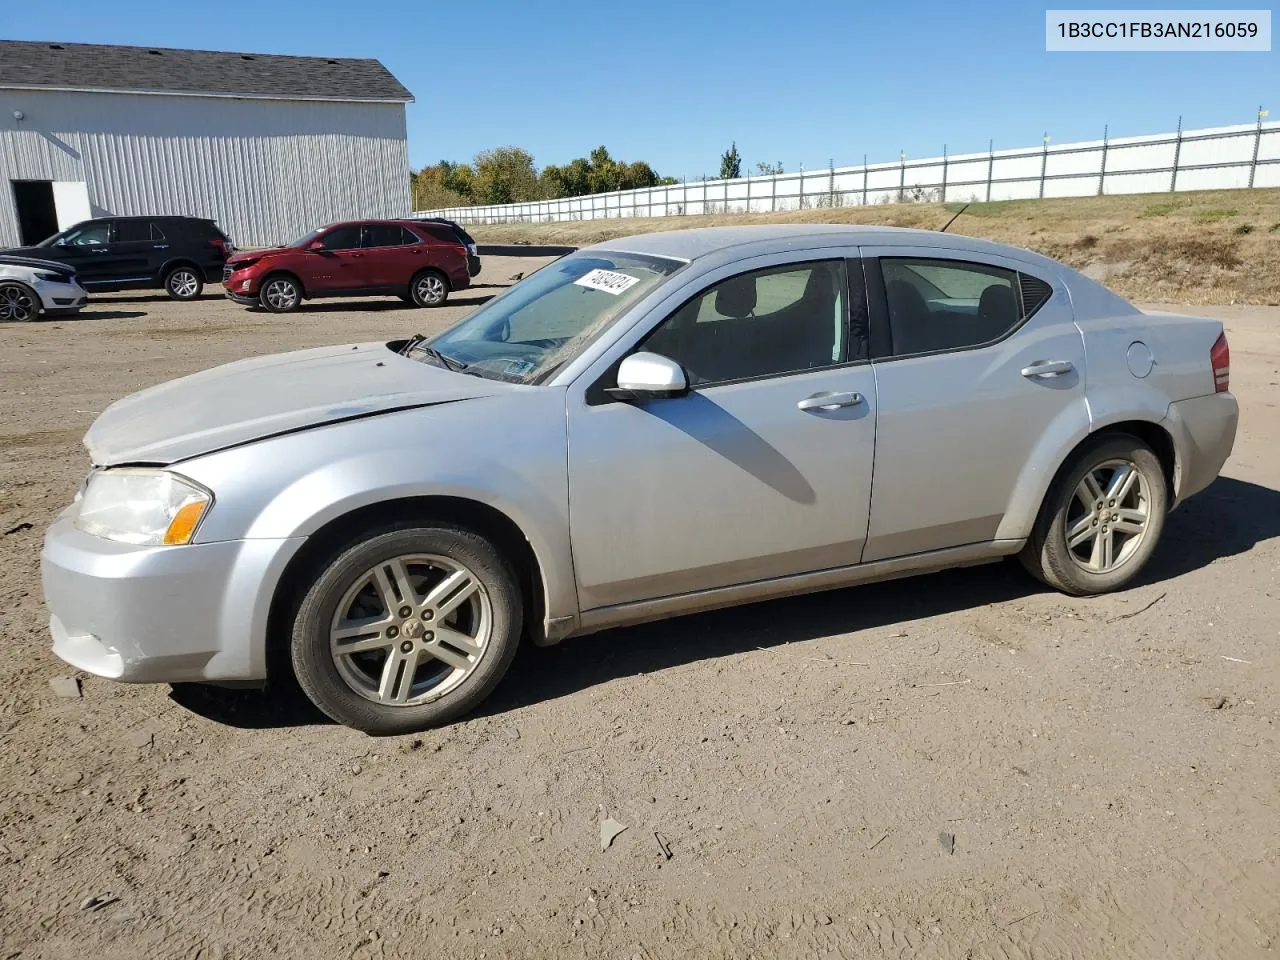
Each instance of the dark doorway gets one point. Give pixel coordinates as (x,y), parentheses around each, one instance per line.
(37,216)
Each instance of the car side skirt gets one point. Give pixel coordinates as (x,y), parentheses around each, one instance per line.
(629,614)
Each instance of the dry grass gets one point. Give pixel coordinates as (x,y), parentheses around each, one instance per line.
(1214,247)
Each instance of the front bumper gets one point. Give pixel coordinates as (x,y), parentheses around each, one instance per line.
(160,614)
(1203,431)
(60,298)
(244,299)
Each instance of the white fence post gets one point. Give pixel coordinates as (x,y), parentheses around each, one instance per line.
(1102,174)
(1257,143)
(991,164)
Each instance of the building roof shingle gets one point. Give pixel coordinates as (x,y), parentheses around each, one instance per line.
(93,66)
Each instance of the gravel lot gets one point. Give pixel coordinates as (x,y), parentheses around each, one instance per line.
(1109,769)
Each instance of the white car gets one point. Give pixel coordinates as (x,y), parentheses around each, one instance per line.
(653,426)
(31,288)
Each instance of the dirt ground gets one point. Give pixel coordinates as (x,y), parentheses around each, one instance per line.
(963,765)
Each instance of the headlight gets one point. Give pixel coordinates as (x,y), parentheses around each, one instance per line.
(51,277)
(146,507)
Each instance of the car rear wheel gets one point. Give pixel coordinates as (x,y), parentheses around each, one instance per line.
(280,294)
(1101,520)
(407,629)
(18,302)
(183,283)
(429,289)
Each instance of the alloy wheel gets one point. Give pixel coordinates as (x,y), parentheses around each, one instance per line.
(430,289)
(1108,517)
(411,629)
(16,304)
(281,294)
(183,284)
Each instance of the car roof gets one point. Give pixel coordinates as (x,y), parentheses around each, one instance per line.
(162,216)
(689,245)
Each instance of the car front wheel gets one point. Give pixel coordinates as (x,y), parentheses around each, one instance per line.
(183,283)
(429,289)
(18,302)
(407,629)
(1101,520)
(280,294)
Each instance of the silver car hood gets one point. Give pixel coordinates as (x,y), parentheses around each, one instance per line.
(266,396)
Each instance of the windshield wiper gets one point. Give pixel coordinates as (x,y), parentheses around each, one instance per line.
(418,343)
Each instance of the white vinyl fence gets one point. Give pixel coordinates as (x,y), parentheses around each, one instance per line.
(1211,159)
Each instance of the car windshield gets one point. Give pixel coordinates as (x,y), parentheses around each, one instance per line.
(543,322)
(303,241)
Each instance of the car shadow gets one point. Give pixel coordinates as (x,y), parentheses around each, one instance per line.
(275,707)
(1229,518)
(345,305)
(128,297)
(90,314)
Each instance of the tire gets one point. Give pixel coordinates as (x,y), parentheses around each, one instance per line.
(280,293)
(18,302)
(353,678)
(183,282)
(1131,523)
(429,288)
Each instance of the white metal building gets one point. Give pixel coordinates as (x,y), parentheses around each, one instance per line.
(269,146)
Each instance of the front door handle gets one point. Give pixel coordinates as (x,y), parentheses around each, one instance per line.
(830,401)
(1047,368)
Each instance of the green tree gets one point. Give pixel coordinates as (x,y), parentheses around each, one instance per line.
(458,177)
(505,175)
(432,188)
(764,169)
(731,163)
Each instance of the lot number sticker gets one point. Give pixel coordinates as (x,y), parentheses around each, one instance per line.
(607,281)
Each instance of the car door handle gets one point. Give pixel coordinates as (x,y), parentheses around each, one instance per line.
(1047,368)
(830,401)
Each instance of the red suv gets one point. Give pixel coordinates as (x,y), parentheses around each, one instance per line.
(420,263)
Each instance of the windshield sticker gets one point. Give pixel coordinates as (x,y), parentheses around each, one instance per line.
(607,281)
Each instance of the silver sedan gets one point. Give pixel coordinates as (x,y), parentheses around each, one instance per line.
(32,288)
(648,427)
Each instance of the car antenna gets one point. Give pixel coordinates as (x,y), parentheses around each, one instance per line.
(953,219)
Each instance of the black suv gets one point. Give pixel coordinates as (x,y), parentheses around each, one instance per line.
(176,254)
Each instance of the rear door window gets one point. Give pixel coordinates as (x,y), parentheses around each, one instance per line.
(132,231)
(383,235)
(937,305)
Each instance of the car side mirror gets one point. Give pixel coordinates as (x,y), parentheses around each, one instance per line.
(649,376)
(316,245)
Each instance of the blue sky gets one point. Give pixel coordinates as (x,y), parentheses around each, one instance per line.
(674,83)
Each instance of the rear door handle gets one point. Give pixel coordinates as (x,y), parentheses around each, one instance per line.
(1047,368)
(830,401)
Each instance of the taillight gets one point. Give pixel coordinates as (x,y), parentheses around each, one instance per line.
(1220,358)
